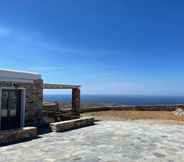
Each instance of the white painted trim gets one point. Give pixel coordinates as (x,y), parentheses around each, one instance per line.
(23,104)
(19,71)
(12,74)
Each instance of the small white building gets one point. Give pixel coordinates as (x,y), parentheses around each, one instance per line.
(21,98)
(21,95)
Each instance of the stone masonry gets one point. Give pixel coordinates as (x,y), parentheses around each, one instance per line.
(72,124)
(34,98)
(16,135)
(76,101)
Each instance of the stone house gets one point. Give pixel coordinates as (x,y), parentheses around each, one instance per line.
(21,98)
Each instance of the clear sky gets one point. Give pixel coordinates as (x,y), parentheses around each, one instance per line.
(107,46)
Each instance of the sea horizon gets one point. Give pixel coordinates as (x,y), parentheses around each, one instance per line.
(116,99)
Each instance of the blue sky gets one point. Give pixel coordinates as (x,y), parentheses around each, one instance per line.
(107,46)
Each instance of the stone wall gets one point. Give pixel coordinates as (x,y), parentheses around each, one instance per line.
(34,99)
(72,124)
(129,108)
(76,101)
(17,135)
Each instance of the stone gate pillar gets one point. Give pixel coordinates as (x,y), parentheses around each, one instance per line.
(76,101)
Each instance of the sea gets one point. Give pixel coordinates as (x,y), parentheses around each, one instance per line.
(118,99)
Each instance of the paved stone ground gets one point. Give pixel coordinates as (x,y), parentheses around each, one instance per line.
(108,141)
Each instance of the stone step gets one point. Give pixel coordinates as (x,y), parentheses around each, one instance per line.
(16,135)
(71,124)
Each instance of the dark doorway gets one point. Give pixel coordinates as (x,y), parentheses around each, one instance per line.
(10,109)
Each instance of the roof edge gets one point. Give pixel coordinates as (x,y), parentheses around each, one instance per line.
(16,74)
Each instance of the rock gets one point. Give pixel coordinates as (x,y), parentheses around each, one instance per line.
(179,112)
(180,106)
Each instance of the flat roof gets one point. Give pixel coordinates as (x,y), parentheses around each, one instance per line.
(15,75)
(59,86)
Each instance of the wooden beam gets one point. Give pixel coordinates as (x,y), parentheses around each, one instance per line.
(59,86)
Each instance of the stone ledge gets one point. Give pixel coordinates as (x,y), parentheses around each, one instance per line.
(71,124)
(14,135)
(130,108)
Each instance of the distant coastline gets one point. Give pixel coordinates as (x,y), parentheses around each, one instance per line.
(118,99)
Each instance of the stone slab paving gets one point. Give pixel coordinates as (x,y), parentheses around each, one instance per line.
(108,141)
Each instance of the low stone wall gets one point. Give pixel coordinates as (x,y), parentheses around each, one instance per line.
(130,108)
(71,124)
(16,135)
(50,106)
(55,112)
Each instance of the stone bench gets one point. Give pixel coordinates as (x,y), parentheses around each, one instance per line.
(15,135)
(71,124)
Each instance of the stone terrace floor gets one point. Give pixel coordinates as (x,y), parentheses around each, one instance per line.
(108,141)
